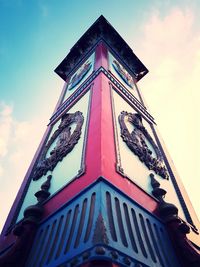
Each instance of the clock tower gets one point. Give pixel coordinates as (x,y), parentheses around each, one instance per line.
(101,189)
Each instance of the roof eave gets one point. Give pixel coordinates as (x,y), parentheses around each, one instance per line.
(101,29)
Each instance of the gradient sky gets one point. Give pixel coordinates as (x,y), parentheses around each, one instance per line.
(35,35)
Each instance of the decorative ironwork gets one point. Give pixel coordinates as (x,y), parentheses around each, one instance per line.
(44,193)
(126,77)
(79,75)
(86,232)
(101,30)
(24,232)
(166,210)
(136,141)
(190,253)
(64,144)
(119,88)
(178,228)
(100,235)
(34,213)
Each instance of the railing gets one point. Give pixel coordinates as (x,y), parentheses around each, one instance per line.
(102,223)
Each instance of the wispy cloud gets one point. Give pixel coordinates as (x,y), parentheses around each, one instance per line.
(18,143)
(5,127)
(170,48)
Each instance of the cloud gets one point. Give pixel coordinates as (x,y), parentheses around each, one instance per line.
(18,143)
(170,48)
(5,127)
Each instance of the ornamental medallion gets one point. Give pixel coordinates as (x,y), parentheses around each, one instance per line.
(80,74)
(60,144)
(126,77)
(138,141)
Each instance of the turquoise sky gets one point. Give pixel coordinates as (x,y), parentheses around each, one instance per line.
(36,35)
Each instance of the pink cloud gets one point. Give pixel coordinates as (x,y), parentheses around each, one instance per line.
(170,48)
(17,148)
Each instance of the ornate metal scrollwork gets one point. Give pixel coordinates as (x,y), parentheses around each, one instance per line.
(65,143)
(137,144)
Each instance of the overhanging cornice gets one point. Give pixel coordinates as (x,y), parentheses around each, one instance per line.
(101,30)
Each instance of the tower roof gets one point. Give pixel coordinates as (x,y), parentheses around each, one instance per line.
(101,29)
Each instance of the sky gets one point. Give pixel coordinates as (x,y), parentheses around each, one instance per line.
(35,36)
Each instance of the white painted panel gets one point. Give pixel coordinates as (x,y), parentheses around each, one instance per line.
(112,67)
(69,167)
(131,164)
(70,89)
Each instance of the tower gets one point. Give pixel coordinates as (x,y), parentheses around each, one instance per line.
(101,189)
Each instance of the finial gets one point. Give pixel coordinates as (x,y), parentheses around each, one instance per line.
(168,211)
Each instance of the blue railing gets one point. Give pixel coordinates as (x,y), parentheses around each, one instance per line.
(102,223)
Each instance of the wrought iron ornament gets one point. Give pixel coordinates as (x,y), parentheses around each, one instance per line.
(79,75)
(123,73)
(136,141)
(64,145)
(100,235)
